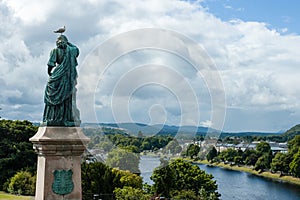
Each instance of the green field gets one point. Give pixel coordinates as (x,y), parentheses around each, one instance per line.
(6,196)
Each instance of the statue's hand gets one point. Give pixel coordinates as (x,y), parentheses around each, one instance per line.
(49,70)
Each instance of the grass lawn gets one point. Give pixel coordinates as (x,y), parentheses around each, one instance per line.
(6,196)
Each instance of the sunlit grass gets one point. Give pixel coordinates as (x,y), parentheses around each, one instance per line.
(6,196)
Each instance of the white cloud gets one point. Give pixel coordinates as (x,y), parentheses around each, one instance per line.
(258,65)
(30,11)
(206,123)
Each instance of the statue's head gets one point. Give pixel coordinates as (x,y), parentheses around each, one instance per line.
(62,41)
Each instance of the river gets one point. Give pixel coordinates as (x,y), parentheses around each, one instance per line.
(235,185)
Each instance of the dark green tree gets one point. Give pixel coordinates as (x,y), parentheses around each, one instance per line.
(250,157)
(212,153)
(238,160)
(295,165)
(294,144)
(263,148)
(164,180)
(173,147)
(130,193)
(123,160)
(146,145)
(262,163)
(228,155)
(280,163)
(184,194)
(264,152)
(98,178)
(181,175)
(16,152)
(192,150)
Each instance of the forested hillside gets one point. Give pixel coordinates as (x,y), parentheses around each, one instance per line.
(16,152)
(292,132)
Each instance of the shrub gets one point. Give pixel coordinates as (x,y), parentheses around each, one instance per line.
(22,183)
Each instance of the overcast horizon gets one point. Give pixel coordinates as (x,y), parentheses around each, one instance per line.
(252,49)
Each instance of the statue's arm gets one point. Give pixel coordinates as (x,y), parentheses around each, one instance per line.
(52,61)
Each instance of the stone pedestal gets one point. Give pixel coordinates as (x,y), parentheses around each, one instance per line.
(59,149)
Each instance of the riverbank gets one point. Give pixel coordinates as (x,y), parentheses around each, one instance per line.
(275,176)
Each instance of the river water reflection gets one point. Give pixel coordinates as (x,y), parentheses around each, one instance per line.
(235,185)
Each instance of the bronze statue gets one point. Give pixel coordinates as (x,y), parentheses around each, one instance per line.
(60,92)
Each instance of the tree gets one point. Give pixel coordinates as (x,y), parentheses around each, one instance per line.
(192,150)
(212,153)
(130,148)
(130,193)
(184,194)
(280,163)
(238,160)
(173,147)
(98,178)
(181,175)
(263,148)
(22,183)
(229,154)
(16,152)
(264,152)
(250,157)
(105,145)
(294,144)
(123,160)
(164,180)
(126,178)
(146,145)
(262,163)
(295,165)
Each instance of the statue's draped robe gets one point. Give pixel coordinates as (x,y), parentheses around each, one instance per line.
(60,99)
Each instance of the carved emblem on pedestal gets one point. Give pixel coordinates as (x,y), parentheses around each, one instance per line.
(63,183)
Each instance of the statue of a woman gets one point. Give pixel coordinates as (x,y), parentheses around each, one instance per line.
(60,92)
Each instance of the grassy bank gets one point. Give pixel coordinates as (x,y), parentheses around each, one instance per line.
(277,177)
(6,196)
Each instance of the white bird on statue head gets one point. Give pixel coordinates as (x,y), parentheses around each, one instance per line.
(60,30)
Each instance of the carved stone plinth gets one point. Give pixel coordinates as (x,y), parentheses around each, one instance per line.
(59,152)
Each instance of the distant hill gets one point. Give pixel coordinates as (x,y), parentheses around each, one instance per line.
(292,132)
(242,134)
(158,129)
(186,131)
(190,131)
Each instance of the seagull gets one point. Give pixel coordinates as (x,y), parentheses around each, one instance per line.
(60,30)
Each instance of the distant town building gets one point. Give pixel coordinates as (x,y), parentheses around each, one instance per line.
(275,147)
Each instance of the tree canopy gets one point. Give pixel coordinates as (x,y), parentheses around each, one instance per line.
(98,178)
(16,152)
(180,175)
(123,160)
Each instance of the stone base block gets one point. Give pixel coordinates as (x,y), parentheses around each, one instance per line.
(59,149)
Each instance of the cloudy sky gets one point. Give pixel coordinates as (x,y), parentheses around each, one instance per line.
(230,64)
